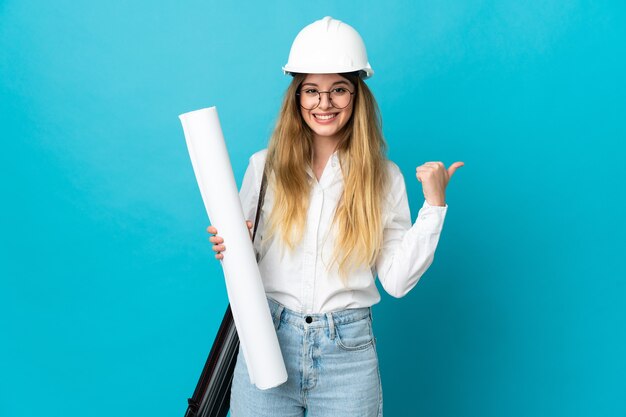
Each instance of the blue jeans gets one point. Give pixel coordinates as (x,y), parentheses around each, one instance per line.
(332,368)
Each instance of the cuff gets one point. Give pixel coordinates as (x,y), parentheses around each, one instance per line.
(431,217)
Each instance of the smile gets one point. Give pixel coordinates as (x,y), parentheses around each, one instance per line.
(325,116)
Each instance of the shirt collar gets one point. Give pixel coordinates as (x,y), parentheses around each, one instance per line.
(332,166)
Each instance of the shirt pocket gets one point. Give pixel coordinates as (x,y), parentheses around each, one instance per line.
(356,335)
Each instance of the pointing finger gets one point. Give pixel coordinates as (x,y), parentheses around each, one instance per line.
(454,167)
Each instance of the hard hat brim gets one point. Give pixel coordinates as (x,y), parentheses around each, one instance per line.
(365,73)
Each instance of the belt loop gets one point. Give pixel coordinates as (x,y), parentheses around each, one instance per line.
(277,314)
(331,325)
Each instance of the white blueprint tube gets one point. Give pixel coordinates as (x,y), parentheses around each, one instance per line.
(248,302)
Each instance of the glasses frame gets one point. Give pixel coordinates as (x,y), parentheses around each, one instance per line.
(319,99)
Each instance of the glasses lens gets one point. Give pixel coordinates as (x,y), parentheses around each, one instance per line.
(309,98)
(340,97)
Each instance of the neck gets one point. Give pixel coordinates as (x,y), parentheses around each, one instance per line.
(323,148)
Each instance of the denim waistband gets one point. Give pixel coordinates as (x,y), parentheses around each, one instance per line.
(318,320)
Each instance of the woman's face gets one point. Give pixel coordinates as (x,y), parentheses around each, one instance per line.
(326,120)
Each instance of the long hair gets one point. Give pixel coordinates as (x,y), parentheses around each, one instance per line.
(361,149)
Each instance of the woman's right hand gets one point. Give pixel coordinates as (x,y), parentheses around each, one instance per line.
(218,241)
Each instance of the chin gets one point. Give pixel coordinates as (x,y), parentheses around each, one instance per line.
(326,132)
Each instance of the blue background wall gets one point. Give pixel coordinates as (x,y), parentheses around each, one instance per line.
(110,298)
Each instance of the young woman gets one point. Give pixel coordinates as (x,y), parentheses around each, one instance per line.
(335,217)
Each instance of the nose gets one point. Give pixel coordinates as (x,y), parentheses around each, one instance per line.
(325,102)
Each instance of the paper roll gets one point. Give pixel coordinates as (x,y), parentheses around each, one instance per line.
(244,286)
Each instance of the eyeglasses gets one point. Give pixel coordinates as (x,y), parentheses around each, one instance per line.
(339,97)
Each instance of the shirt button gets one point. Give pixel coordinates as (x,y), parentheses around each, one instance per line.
(308,319)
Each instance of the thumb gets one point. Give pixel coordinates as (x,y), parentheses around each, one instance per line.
(454,167)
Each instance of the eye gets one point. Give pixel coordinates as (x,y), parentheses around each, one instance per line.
(340,91)
(310,91)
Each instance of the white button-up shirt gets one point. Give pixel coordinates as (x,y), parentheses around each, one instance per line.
(304,279)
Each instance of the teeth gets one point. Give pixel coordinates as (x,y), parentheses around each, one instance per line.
(324,117)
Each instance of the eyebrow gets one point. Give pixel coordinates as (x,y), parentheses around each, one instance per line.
(335,83)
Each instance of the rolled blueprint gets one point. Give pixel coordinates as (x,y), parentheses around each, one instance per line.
(244,286)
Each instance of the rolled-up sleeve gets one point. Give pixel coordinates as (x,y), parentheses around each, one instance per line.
(408,250)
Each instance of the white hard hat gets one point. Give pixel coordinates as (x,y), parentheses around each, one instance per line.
(328,46)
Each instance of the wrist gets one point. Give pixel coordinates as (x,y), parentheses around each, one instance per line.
(440,203)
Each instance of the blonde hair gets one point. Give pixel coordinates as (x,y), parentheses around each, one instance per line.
(361,150)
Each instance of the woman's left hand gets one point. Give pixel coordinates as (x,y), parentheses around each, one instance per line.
(434,178)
